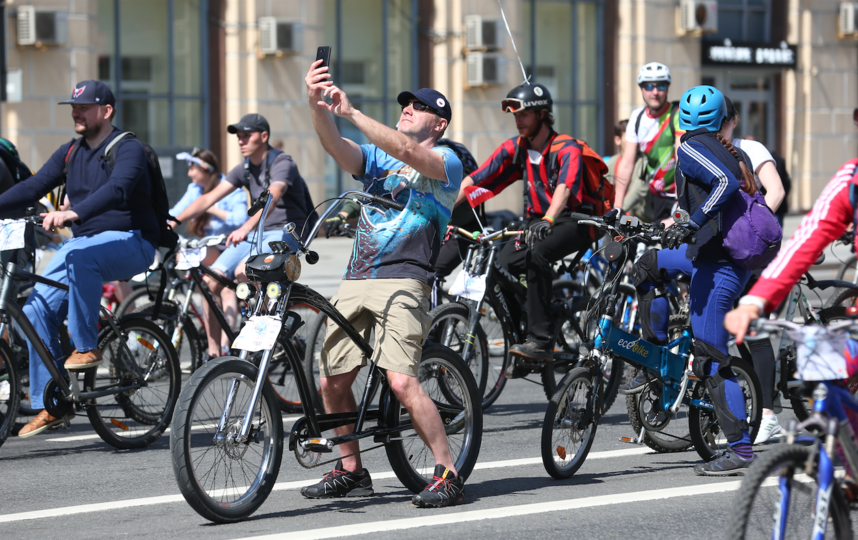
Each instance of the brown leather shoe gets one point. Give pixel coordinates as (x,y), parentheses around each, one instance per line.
(84,360)
(43,421)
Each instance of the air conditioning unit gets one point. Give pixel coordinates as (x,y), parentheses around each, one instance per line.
(483,34)
(39,27)
(485,69)
(848,26)
(698,16)
(278,36)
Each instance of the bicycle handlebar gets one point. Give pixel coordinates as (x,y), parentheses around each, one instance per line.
(207,241)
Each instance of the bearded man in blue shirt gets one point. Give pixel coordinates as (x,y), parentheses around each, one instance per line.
(115,234)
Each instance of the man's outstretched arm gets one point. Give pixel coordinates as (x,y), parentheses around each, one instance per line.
(345,152)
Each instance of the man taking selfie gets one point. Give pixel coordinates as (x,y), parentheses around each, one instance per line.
(387,282)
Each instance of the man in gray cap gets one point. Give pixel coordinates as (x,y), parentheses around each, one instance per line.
(115,235)
(264,168)
(388,278)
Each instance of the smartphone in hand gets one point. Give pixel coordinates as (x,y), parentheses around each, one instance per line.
(324,53)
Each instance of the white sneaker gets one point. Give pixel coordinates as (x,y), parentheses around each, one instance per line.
(769,427)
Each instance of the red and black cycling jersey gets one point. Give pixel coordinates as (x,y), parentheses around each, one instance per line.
(832,213)
(511,162)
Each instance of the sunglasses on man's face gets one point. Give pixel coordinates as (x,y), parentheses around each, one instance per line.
(855,116)
(421,107)
(649,87)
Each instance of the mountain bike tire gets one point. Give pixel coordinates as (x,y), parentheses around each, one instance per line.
(703,423)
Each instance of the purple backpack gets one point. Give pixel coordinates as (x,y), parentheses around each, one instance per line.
(751,232)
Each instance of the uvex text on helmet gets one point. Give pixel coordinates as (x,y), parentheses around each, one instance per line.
(653,72)
(527,96)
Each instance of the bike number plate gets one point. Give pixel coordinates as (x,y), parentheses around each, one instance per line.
(188,258)
(12,234)
(259,334)
(468,286)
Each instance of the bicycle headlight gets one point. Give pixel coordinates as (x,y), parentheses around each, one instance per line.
(274,290)
(245,290)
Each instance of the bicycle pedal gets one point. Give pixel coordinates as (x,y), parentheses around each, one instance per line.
(631,440)
(318,445)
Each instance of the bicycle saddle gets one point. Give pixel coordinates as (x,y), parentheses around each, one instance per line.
(682,277)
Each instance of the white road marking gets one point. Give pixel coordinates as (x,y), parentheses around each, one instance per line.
(91,437)
(503,512)
(280,486)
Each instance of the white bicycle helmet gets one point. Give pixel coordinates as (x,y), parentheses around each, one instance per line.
(653,72)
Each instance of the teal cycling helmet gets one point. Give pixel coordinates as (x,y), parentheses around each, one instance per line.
(702,106)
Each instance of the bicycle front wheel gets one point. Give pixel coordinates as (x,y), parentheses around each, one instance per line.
(777,490)
(450,323)
(450,385)
(144,361)
(569,427)
(222,478)
(10,391)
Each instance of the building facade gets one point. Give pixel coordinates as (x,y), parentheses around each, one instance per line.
(184,69)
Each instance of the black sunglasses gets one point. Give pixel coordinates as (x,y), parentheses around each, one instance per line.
(855,116)
(420,106)
(649,86)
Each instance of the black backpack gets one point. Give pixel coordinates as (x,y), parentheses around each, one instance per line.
(158,201)
(9,155)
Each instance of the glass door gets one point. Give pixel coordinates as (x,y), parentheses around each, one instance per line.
(753,96)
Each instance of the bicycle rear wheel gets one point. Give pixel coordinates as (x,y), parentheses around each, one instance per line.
(703,423)
(450,385)
(776,486)
(569,427)
(190,344)
(134,418)
(10,391)
(225,480)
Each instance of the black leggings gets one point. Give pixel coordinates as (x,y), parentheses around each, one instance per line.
(762,357)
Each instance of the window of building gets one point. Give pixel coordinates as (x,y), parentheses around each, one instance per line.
(373,59)
(743,20)
(151,56)
(561,39)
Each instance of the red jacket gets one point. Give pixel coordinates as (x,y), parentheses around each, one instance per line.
(831,215)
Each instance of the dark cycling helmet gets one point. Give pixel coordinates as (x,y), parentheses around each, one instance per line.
(469,164)
(702,106)
(527,96)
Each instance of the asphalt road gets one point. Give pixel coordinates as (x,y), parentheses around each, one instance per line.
(72,485)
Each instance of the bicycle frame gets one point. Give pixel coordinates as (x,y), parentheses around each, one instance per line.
(307,431)
(828,419)
(70,389)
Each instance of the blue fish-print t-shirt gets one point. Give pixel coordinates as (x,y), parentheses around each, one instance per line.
(396,245)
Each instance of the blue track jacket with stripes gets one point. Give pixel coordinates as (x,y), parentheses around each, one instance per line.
(706,178)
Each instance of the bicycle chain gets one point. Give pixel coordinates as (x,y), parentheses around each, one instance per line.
(306,466)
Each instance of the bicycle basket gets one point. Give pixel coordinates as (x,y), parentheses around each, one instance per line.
(824,356)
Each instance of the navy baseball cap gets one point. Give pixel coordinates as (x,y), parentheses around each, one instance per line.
(427,96)
(91,92)
(249,123)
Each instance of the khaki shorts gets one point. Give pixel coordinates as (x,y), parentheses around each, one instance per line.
(398,309)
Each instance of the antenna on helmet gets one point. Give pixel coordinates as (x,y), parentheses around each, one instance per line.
(508,31)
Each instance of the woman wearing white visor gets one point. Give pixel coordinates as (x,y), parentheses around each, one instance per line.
(227,215)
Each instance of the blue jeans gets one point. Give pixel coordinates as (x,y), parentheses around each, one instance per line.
(714,290)
(84,264)
(236,254)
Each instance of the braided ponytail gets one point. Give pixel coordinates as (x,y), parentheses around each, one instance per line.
(747,182)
